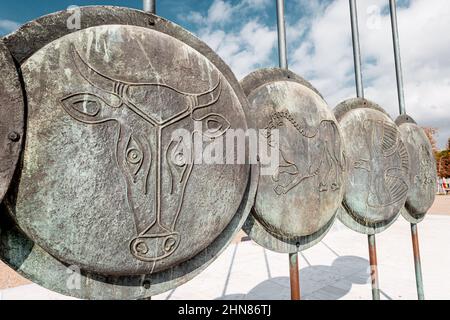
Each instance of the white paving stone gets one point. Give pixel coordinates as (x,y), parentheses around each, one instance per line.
(336,268)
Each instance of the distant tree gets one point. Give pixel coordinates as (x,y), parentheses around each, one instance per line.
(431,132)
(443,163)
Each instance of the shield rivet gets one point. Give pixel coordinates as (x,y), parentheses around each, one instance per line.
(14,136)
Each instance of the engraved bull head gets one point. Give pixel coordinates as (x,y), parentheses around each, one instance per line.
(146,157)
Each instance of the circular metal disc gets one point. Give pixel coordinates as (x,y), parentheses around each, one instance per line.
(11,119)
(107,183)
(378,162)
(423,173)
(298,195)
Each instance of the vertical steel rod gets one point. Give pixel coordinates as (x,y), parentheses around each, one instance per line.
(356,49)
(373,267)
(150,6)
(417,263)
(294,276)
(398,60)
(402,109)
(360,94)
(282,47)
(282,54)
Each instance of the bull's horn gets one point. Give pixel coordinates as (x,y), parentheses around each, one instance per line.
(209,97)
(91,75)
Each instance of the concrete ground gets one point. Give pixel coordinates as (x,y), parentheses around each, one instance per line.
(336,268)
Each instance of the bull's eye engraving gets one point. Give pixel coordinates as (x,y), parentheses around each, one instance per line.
(145,160)
(180,159)
(86,107)
(327,168)
(89,107)
(135,156)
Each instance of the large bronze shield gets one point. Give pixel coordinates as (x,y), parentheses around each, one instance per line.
(111,181)
(423,173)
(11,118)
(377,184)
(297,199)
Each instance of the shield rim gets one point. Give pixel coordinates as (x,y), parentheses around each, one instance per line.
(17,107)
(252,227)
(49,28)
(346,218)
(401,120)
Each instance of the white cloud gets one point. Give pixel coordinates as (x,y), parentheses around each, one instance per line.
(7,26)
(222,12)
(320,50)
(219,12)
(245,44)
(325,57)
(244,50)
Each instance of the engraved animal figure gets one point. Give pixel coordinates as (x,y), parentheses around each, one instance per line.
(425,175)
(386,182)
(141,154)
(327,166)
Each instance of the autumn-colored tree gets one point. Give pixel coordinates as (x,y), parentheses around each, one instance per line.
(443,164)
(442,157)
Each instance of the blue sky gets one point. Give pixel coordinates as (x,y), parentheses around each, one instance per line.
(243,32)
(25,10)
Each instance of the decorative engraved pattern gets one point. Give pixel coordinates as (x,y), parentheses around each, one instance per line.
(134,153)
(387,184)
(331,159)
(425,175)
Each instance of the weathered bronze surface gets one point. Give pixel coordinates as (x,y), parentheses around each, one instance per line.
(423,172)
(11,118)
(296,203)
(107,183)
(377,184)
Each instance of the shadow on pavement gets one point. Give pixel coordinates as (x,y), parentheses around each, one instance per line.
(316,282)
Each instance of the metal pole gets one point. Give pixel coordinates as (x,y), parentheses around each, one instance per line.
(356,49)
(282,55)
(398,61)
(373,267)
(282,48)
(294,276)
(150,6)
(402,108)
(360,94)
(417,263)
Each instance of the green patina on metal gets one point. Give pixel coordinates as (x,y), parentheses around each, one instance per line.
(297,200)
(107,185)
(378,163)
(423,173)
(11,118)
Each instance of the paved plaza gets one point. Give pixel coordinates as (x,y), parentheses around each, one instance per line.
(336,268)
